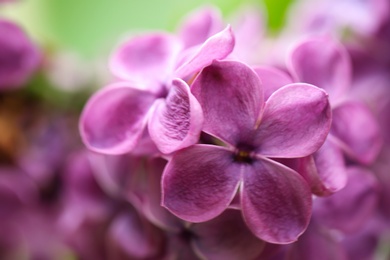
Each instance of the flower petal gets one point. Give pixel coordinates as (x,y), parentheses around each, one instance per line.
(114,173)
(348,209)
(355,126)
(177,121)
(18,54)
(272,79)
(295,122)
(231,97)
(147,60)
(131,236)
(275,201)
(199,182)
(151,199)
(325,170)
(316,243)
(323,62)
(216,47)
(114,118)
(226,237)
(330,167)
(249,27)
(198,26)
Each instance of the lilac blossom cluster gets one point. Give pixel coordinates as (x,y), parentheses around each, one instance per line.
(214,142)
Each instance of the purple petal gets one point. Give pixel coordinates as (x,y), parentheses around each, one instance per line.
(147,60)
(357,128)
(19,57)
(231,97)
(329,174)
(177,121)
(200,25)
(351,207)
(295,122)
(199,182)
(330,166)
(226,237)
(322,62)
(151,200)
(249,30)
(272,79)
(114,172)
(114,118)
(324,170)
(216,47)
(131,236)
(16,191)
(276,202)
(364,244)
(316,243)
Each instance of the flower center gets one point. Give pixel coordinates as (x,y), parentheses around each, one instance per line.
(243,156)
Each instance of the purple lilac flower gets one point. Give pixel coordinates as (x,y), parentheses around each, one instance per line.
(330,16)
(115,118)
(225,237)
(340,218)
(325,63)
(199,182)
(19,57)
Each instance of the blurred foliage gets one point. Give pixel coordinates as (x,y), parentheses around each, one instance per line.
(92,27)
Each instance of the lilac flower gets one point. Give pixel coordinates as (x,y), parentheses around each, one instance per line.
(340,218)
(325,63)
(200,181)
(199,25)
(19,57)
(330,16)
(115,118)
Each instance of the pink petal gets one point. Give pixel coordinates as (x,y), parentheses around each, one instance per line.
(148,60)
(226,237)
(216,47)
(114,118)
(272,79)
(231,96)
(322,62)
(200,25)
(348,209)
(276,202)
(177,121)
(199,182)
(357,128)
(295,122)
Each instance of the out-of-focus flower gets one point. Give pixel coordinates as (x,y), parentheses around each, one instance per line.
(19,57)
(339,219)
(325,63)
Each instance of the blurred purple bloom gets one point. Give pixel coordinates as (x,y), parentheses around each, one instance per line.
(355,131)
(19,57)
(136,236)
(200,181)
(339,219)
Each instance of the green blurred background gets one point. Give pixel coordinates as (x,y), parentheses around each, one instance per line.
(93,27)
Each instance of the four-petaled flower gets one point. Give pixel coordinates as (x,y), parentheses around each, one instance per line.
(201,181)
